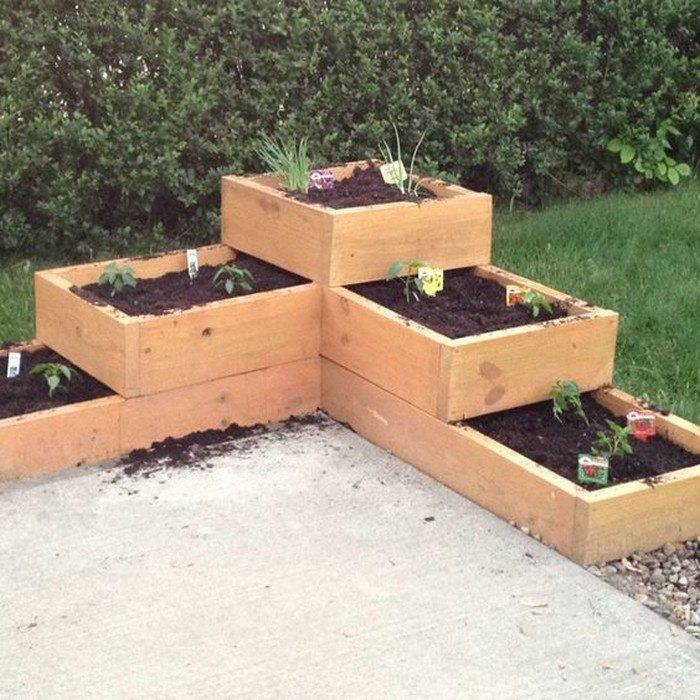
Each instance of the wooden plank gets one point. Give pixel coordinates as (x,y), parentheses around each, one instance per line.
(229,337)
(262,396)
(504,369)
(472,464)
(262,221)
(367,339)
(92,338)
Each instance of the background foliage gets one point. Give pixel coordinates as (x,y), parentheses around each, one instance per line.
(118,118)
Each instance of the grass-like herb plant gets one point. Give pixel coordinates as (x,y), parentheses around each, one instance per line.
(409,185)
(54,373)
(232,278)
(288,159)
(118,278)
(537,303)
(566,398)
(613,442)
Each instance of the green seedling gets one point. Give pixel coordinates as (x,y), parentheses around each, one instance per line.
(233,277)
(54,373)
(412,285)
(409,185)
(613,442)
(287,159)
(118,278)
(566,397)
(537,303)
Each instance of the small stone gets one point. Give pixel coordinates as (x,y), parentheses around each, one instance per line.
(610,570)
(525,529)
(669,549)
(673,578)
(683,581)
(657,577)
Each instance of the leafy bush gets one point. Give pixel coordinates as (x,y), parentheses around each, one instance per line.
(117,119)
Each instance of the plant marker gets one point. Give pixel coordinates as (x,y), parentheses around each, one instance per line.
(643,424)
(433,279)
(322,179)
(14,360)
(593,469)
(192,262)
(514,294)
(393,173)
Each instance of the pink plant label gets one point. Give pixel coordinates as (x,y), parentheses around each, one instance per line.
(322,179)
(643,424)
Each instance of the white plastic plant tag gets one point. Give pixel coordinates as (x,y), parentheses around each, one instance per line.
(192,262)
(393,173)
(14,360)
(514,294)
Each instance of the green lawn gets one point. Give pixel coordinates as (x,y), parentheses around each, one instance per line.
(637,254)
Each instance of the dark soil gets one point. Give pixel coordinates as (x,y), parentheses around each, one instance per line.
(468,305)
(364,187)
(534,432)
(194,449)
(29,392)
(175,291)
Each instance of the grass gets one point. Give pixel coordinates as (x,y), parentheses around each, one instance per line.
(636,254)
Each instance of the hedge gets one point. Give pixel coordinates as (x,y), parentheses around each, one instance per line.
(117,119)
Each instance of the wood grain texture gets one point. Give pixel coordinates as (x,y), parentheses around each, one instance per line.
(343,246)
(585,526)
(137,355)
(57,438)
(266,395)
(455,379)
(472,464)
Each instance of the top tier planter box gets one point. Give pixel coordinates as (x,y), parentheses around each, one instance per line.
(357,244)
(141,355)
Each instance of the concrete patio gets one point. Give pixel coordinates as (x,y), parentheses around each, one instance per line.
(309,564)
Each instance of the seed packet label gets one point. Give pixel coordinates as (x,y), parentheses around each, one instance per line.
(433,279)
(192,263)
(393,173)
(593,469)
(14,360)
(643,424)
(322,179)
(514,294)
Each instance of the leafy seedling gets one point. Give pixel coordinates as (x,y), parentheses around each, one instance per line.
(613,442)
(54,373)
(409,184)
(233,277)
(287,159)
(566,397)
(118,278)
(537,303)
(412,284)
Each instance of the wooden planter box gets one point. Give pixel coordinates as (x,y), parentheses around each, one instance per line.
(587,527)
(139,355)
(45,441)
(455,379)
(93,431)
(342,246)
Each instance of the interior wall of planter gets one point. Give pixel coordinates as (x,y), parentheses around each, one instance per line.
(117,119)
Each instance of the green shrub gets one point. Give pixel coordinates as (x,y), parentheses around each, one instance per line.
(117,119)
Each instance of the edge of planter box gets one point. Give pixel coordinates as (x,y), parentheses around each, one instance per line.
(460,378)
(585,526)
(356,244)
(100,429)
(56,438)
(139,355)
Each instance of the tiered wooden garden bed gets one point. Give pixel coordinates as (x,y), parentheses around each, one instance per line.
(342,246)
(585,526)
(459,378)
(141,355)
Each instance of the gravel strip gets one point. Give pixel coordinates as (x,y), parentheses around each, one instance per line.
(666,580)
